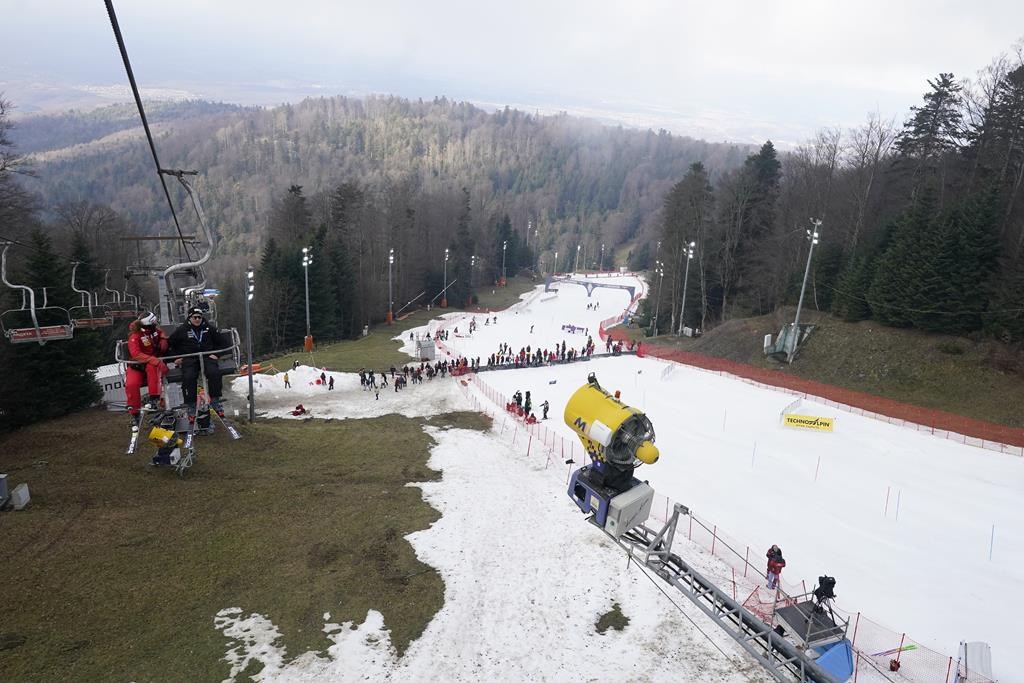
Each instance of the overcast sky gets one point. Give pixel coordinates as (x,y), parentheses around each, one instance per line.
(724,70)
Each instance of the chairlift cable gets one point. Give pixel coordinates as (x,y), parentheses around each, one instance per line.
(145,122)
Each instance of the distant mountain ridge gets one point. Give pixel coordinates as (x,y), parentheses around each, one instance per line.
(572,175)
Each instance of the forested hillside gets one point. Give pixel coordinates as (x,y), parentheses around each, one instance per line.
(919,224)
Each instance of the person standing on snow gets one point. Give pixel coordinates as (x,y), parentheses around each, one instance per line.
(146,343)
(775,565)
(196,336)
(544,406)
(330,384)
(287,383)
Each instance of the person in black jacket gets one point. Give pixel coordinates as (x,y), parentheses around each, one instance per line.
(193,336)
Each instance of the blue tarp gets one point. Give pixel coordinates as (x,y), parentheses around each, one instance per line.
(837,659)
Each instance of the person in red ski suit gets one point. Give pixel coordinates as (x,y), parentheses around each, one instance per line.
(146,343)
(775,565)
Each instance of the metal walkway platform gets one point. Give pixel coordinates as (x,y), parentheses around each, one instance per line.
(781,658)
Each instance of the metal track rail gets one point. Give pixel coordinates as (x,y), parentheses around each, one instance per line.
(778,656)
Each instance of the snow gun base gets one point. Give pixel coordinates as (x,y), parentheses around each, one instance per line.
(614,510)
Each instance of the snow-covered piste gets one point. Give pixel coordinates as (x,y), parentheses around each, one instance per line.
(904,520)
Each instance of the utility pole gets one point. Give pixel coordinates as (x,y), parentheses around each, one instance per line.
(391,298)
(577,268)
(554,265)
(812,237)
(686,281)
(251,286)
(600,267)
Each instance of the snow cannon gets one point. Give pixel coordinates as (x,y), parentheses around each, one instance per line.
(168,445)
(618,439)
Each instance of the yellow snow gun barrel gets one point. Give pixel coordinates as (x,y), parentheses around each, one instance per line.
(164,438)
(610,430)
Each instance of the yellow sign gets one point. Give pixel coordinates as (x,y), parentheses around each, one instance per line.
(808,422)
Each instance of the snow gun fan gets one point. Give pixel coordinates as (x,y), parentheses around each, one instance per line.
(617,438)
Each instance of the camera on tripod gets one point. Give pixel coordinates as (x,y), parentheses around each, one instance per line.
(825,593)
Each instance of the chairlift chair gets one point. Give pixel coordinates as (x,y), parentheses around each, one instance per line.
(91,314)
(32,323)
(116,306)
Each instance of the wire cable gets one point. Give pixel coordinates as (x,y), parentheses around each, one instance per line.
(145,122)
(677,606)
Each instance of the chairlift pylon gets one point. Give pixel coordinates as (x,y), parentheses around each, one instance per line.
(27,324)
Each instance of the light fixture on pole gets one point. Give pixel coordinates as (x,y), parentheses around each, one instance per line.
(504,248)
(577,268)
(307,261)
(444,292)
(250,293)
(794,338)
(659,270)
(600,266)
(391,298)
(686,280)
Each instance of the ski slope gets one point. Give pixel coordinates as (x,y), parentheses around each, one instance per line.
(918,565)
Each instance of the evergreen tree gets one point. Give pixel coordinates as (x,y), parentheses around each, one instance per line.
(933,131)
(898,273)
(461,249)
(849,302)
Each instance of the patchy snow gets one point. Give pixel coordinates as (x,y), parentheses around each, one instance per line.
(526,579)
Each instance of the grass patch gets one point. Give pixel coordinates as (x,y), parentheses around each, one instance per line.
(379,350)
(904,365)
(116,570)
(613,618)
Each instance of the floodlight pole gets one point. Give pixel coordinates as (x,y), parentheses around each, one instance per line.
(686,281)
(660,272)
(812,236)
(391,296)
(250,293)
(504,276)
(600,266)
(307,259)
(576,269)
(444,297)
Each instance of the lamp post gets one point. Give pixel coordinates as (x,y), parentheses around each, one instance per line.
(504,248)
(686,280)
(576,269)
(251,287)
(812,237)
(444,292)
(307,261)
(554,264)
(659,270)
(600,266)
(529,228)
(391,298)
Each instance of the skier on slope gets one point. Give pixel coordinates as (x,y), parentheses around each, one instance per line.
(544,406)
(146,343)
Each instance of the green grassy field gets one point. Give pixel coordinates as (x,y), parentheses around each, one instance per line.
(116,570)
